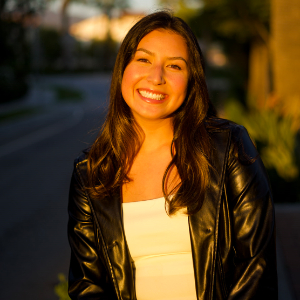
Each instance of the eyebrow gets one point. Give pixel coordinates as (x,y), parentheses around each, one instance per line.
(169,58)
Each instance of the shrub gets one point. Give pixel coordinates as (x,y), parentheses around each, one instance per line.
(61,289)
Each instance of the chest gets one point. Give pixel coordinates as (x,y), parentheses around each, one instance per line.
(161,249)
(146,176)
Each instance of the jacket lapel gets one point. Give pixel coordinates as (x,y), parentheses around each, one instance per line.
(109,221)
(204,224)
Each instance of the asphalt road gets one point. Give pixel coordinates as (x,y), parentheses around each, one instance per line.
(36,165)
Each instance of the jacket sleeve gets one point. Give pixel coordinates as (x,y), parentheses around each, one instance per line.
(253,223)
(87,275)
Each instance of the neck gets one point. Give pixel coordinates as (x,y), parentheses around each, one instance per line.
(157,133)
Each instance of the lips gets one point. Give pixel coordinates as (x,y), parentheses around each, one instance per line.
(152,95)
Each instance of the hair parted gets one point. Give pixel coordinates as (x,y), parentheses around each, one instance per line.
(113,152)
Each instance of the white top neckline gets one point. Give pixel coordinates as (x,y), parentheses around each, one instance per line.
(144,200)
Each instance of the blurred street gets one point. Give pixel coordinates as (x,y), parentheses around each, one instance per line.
(251,56)
(37,155)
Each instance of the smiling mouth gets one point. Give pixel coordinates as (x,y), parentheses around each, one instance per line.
(150,95)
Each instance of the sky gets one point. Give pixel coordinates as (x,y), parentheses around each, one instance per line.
(81,10)
(143,5)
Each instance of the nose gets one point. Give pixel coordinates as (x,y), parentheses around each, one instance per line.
(156,75)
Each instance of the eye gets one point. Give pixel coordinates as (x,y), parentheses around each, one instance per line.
(145,60)
(175,67)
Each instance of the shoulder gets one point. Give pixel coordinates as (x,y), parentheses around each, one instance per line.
(81,160)
(80,167)
(78,205)
(222,125)
(234,136)
(234,152)
(218,125)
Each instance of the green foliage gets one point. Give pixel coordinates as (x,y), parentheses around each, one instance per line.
(13,84)
(106,5)
(242,19)
(238,19)
(61,289)
(66,94)
(50,41)
(273,134)
(104,53)
(185,9)
(14,60)
(233,24)
(89,56)
(23,7)
(16,114)
(110,4)
(14,49)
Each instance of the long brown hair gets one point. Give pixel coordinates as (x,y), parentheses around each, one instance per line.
(112,154)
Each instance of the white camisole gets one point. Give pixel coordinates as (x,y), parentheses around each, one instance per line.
(161,249)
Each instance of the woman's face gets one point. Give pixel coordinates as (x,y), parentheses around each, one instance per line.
(155,81)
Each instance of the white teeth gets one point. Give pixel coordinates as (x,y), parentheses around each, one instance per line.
(151,95)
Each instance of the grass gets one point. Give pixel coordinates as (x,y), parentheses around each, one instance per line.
(17,114)
(66,94)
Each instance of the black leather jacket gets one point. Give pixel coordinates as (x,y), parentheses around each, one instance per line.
(232,236)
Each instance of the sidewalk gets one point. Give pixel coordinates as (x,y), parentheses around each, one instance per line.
(288,236)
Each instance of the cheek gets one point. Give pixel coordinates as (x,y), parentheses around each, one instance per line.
(181,84)
(128,82)
(124,81)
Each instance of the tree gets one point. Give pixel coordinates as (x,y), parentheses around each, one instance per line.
(107,6)
(286,64)
(272,113)
(15,16)
(238,25)
(243,22)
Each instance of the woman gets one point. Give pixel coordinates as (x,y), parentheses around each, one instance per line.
(207,229)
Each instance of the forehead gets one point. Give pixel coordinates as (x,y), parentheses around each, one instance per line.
(164,42)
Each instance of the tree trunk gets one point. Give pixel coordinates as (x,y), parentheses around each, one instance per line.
(64,16)
(285,25)
(259,74)
(66,39)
